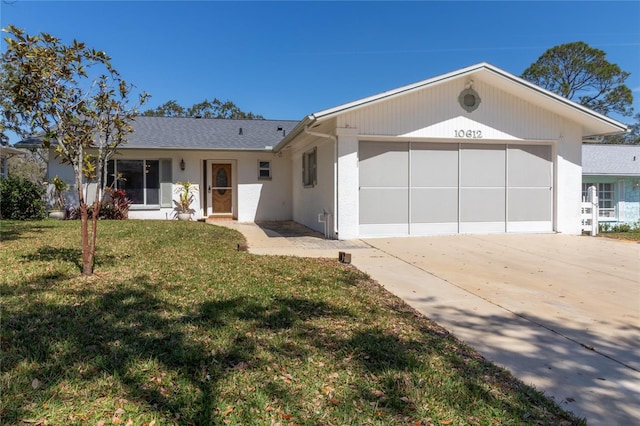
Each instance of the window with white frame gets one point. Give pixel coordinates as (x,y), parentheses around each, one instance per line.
(264,170)
(144,181)
(309,166)
(606,198)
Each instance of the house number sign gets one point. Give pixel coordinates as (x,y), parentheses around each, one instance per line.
(468,134)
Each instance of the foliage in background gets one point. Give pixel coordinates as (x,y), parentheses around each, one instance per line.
(32,165)
(74,97)
(21,199)
(204,109)
(170,334)
(583,74)
(632,136)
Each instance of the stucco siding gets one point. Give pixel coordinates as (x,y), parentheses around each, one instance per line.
(569,179)
(253,199)
(311,201)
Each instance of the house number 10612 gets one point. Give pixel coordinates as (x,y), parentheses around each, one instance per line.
(469,134)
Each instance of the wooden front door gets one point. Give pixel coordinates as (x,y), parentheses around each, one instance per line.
(221,189)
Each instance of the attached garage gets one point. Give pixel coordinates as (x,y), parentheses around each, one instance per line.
(477,150)
(418,188)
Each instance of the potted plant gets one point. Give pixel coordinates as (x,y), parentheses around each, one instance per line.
(58,210)
(186,195)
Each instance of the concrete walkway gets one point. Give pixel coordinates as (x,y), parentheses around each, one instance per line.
(560,312)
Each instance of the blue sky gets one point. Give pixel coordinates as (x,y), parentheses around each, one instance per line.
(285,60)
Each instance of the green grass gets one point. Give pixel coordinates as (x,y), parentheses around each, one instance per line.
(628,236)
(178,327)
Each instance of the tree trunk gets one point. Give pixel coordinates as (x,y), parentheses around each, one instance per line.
(87,257)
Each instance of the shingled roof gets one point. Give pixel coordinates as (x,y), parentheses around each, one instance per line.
(610,160)
(207,133)
(201,133)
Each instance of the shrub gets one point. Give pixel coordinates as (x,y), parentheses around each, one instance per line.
(604,227)
(619,227)
(21,199)
(622,227)
(115,206)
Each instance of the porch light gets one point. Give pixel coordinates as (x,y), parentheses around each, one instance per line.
(182,164)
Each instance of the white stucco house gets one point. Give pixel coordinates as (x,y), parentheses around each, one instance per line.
(477,150)
(615,171)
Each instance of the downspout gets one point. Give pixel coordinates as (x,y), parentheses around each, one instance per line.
(335,172)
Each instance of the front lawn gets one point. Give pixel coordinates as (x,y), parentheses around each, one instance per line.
(178,327)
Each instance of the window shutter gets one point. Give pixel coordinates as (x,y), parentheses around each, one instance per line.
(166,183)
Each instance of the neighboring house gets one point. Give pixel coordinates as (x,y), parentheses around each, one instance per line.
(5,153)
(477,150)
(615,171)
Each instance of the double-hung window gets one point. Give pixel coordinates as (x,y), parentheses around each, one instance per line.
(144,181)
(606,198)
(264,170)
(309,166)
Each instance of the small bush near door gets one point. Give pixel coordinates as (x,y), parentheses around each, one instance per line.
(21,199)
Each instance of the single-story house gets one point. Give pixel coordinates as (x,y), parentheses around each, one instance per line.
(477,150)
(615,171)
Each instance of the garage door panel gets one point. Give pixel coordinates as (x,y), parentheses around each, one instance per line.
(482,205)
(434,165)
(426,188)
(482,165)
(382,164)
(384,205)
(530,166)
(529,204)
(434,205)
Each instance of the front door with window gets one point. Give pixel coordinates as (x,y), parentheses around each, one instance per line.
(221,189)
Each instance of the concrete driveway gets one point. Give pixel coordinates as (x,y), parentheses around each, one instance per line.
(560,312)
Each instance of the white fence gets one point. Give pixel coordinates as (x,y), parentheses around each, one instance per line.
(589,216)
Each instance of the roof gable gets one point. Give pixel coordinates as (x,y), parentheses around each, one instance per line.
(591,122)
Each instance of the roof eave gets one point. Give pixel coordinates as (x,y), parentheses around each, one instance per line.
(8,150)
(303,124)
(614,126)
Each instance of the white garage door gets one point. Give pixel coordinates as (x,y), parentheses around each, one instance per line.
(446,188)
